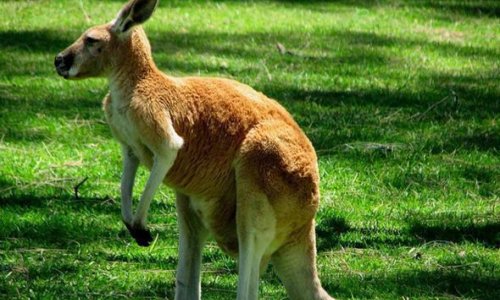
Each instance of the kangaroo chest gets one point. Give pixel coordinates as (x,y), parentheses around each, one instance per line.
(124,130)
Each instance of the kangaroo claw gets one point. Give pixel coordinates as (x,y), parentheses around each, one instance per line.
(141,235)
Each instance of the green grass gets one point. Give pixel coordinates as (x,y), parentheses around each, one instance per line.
(400,98)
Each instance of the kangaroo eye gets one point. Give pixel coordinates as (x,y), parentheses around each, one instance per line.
(90,40)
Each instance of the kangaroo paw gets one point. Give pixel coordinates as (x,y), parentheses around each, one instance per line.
(141,235)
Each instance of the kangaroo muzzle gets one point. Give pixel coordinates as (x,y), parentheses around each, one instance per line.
(63,63)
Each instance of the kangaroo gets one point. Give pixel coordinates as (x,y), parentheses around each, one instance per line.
(242,169)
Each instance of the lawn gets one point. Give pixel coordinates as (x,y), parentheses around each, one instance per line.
(400,98)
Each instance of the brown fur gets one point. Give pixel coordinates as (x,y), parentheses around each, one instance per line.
(223,123)
(235,140)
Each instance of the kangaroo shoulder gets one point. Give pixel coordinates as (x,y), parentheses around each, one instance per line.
(154,124)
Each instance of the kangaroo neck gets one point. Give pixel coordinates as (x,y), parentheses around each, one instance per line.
(132,64)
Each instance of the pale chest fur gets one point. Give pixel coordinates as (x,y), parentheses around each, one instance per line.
(119,122)
(124,130)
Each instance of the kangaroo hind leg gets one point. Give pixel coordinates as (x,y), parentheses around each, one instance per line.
(295,263)
(255,222)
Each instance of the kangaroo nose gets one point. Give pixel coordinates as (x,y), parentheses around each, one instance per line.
(59,60)
(64,60)
(63,63)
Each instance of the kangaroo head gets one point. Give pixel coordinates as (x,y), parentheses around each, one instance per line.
(95,52)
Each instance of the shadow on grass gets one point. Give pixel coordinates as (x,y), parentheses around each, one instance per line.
(63,221)
(328,231)
(468,8)
(254,45)
(487,140)
(478,8)
(28,200)
(48,100)
(59,222)
(445,282)
(40,41)
(337,47)
(481,8)
(363,46)
(483,139)
(356,48)
(29,116)
(334,231)
(487,234)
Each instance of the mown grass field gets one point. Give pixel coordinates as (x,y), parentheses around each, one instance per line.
(400,98)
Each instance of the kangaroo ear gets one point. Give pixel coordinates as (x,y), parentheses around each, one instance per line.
(135,12)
